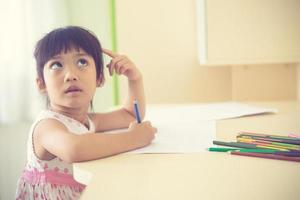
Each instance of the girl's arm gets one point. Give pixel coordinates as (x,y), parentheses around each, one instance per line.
(54,137)
(120,118)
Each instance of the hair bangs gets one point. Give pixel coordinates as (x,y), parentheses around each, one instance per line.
(62,40)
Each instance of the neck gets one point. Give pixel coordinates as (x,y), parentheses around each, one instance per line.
(79,114)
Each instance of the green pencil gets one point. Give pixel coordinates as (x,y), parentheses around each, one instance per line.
(258,150)
(220,149)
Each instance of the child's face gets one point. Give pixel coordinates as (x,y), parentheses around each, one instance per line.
(70,79)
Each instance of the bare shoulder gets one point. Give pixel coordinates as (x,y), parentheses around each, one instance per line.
(49,128)
(116,119)
(48,125)
(43,134)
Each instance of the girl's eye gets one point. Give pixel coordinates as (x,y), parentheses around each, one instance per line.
(82,63)
(56,65)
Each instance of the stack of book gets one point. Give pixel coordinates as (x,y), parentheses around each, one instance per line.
(262,145)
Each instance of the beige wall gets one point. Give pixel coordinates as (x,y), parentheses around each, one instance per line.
(264,82)
(160,37)
(298,81)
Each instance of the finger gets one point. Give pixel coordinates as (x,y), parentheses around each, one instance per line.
(113,63)
(109,53)
(121,66)
(127,70)
(110,68)
(133,122)
(147,123)
(117,59)
(119,70)
(124,69)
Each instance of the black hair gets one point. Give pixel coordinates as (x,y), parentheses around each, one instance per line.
(62,40)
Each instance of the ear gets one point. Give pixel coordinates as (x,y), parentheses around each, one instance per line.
(41,85)
(100,82)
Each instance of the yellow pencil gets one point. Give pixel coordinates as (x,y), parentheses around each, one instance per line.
(268,146)
(271,147)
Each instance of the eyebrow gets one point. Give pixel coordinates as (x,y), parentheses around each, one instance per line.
(77,55)
(82,54)
(55,57)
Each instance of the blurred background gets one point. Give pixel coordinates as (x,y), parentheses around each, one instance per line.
(250,51)
(22,24)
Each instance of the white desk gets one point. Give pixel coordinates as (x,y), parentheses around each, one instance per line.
(208,175)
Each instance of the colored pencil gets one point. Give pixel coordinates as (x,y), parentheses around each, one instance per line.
(258,150)
(246,145)
(263,155)
(220,149)
(282,139)
(294,136)
(292,154)
(267,135)
(276,145)
(268,142)
(235,144)
(137,111)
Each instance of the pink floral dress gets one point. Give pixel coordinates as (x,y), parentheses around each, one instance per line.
(53,179)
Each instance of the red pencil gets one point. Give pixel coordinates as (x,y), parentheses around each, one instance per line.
(264,155)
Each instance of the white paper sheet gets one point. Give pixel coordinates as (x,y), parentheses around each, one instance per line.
(198,112)
(186,137)
(191,128)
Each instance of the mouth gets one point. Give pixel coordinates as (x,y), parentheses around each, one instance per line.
(73,89)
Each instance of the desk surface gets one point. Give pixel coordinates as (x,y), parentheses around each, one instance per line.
(206,175)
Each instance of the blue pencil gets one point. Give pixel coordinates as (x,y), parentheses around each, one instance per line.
(291,154)
(137,111)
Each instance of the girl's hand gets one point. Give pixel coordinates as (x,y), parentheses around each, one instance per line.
(122,65)
(143,133)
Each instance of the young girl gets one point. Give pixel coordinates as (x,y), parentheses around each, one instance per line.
(69,68)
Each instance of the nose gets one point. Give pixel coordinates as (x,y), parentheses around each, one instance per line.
(71,75)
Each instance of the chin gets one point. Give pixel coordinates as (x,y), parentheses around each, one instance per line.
(75,105)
